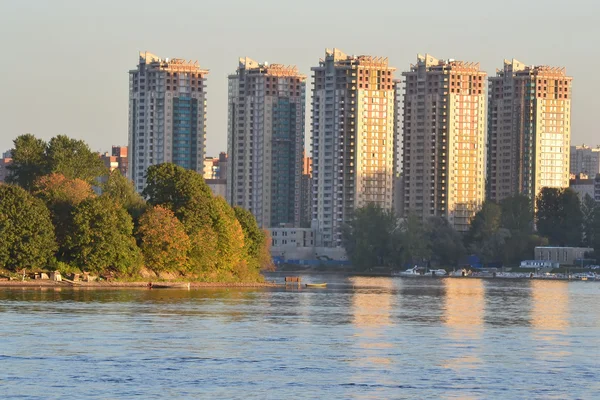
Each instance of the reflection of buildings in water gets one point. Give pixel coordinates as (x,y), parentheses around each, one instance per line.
(372,303)
(550,305)
(550,317)
(465,306)
(464,312)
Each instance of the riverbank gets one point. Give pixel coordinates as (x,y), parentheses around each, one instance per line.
(43,283)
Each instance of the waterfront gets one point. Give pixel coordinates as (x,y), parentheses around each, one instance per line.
(359,338)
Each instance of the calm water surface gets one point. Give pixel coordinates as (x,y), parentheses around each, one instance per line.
(361,338)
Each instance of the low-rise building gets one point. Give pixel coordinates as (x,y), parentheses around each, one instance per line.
(4,163)
(218,186)
(562,255)
(582,185)
(302,246)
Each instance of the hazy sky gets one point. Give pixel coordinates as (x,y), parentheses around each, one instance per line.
(64,63)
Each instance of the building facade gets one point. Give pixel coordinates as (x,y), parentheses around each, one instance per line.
(582,185)
(266,141)
(352,138)
(5,161)
(306,190)
(529,130)
(444,138)
(167,115)
(585,159)
(215,167)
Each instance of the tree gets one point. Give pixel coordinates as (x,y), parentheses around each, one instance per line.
(121,191)
(164,242)
(174,187)
(102,239)
(74,159)
(416,246)
(485,224)
(367,237)
(254,237)
(447,246)
(26,232)
(589,209)
(33,158)
(28,161)
(559,216)
(61,196)
(517,214)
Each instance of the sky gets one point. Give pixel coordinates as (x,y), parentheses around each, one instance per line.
(64,63)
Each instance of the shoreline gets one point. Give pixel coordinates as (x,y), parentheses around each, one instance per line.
(131,285)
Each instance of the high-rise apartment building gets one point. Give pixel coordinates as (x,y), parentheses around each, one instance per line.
(443,167)
(529,130)
(167,115)
(352,139)
(586,160)
(265,141)
(306,193)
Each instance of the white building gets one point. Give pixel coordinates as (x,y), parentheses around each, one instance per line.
(167,115)
(265,141)
(352,139)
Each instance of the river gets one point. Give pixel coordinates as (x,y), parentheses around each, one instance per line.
(359,338)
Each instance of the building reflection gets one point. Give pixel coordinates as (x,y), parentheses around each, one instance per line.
(372,304)
(464,318)
(550,317)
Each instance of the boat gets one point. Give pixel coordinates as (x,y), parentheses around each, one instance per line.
(317,285)
(436,272)
(409,272)
(169,285)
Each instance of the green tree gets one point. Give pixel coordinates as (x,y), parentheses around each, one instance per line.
(174,187)
(121,191)
(447,246)
(33,158)
(559,216)
(163,241)
(517,214)
(101,240)
(485,224)
(589,209)
(61,196)
(414,238)
(368,237)
(26,230)
(74,159)
(254,238)
(28,161)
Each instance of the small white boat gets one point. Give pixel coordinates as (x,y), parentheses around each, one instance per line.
(436,272)
(409,272)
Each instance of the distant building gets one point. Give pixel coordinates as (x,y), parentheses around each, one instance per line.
(116,159)
(302,245)
(352,139)
(585,160)
(529,130)
(4,163)
(167,115)
(562,255)
(266,140)
(582,185)
(306,193)
(217,186)
(215,167)
(443,163)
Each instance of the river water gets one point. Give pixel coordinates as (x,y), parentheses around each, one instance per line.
(360,338)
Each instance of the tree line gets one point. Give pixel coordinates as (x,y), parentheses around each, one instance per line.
(502,233)
(52,218)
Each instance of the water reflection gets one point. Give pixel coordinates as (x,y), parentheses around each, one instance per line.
(372,304)
(464,316)
(550,317)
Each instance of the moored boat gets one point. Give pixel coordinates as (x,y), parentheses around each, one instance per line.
(169,285)
(317,285)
